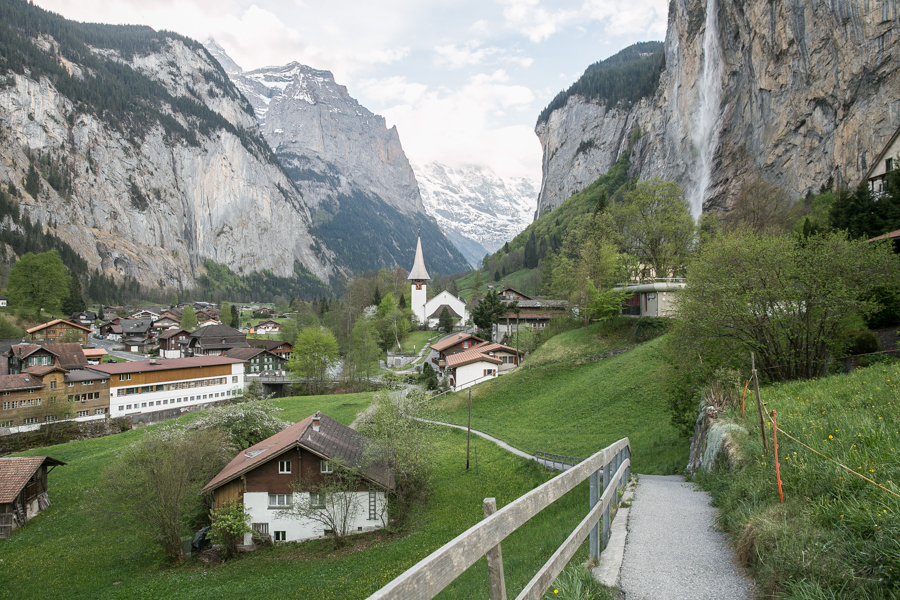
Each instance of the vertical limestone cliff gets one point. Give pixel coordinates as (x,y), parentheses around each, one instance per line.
(807,89)
(171,173)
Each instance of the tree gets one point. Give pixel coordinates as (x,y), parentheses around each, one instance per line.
(188,318)
(332,502)
(603,305)
(9,331)
(74,302)
(235,317)
(393,323)
(38,281)
(289,331)
(786,299)
(531,252)
(155,484)
(401,443)
(428,377)
(364,350)
(245,423)
(314,353)
(488,311)
(761,207)
(229,524)
(225,314)
(445,321)
(656,226)
(32,182)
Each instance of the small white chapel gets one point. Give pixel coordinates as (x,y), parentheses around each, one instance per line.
(428,311)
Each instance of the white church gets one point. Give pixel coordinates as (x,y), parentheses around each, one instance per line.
(428,311)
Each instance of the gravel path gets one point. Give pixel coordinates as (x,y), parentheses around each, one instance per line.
(672,551)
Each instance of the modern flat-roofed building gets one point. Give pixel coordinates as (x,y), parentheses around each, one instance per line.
(149,386)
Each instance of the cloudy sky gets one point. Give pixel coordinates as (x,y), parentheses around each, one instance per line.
(463,80)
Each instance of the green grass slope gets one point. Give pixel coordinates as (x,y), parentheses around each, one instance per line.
(70,551)
(564,407)
(835,535)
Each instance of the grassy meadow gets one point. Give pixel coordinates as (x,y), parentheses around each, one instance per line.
(557,403)
(835,535)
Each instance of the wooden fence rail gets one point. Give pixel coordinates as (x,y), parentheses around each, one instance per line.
(436,571)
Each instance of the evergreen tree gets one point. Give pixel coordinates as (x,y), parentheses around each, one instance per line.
(74,302)
(531,257)
(32,182)
(402,303)
(225,314)
(235,317)
(445,321)
(488,311)
(38,281)
(376,296)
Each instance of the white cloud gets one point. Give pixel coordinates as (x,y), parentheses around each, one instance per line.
(456,56)
(529,18)
(635,16)
(460,126)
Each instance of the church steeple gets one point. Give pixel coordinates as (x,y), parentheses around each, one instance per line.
(418,272)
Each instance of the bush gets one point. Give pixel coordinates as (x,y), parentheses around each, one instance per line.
(246,423)
(229,524)
(888,299)
(862,341)
(649,328)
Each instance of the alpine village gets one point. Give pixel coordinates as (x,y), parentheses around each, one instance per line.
(257,340)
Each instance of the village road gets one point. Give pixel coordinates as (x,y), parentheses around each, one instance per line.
(672,550)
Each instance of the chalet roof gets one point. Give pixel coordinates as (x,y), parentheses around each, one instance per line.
(41,370)
(276,323)
(470,356)
(248,353)
(16,472)
(875,163)
(69,355)
(418,272)
(56,322)
(85,375)
(271,344)
(6,346)
(453,340)
(23,351)
(437,312)
(132,326)
(147,366)
(543,303)
(171,332)
(887,236)
(492,347)
(220,331)
(94,352)
(515,291)
(22,381)
(333,440)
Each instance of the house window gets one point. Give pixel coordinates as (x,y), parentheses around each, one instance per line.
(6,406)
(120,392)
(52,385)
(126,377)
(49,418)
(99,411)
(281,536)
(234,379)
(30,421)
(83,413)
(325,466)
(276,500)
(316,500)
(465,345)
(284,466)
(6,423)
(71,384)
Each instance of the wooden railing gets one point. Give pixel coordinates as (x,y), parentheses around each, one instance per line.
(436,571)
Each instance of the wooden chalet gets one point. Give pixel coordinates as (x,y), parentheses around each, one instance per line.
(263,477)
(282,349)
(259,361)
(23,489)
(214,340)
(53,330)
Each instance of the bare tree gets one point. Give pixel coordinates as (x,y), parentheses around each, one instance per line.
(155,484)
(333,502)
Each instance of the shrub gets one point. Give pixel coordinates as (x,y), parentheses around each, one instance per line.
(862,341)
(229,524)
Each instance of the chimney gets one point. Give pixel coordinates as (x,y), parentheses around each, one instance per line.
(315,422)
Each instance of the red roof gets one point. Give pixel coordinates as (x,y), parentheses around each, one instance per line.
(469,356)
(144,366)
(331,440)
(887,236)
(17,471)
(453,340)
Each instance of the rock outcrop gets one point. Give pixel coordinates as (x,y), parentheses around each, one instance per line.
(808,90)
(151,195)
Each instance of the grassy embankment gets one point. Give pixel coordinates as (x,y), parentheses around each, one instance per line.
(835,535)
(70,551)
(556,403)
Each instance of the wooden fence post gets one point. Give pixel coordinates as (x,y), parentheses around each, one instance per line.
(762,423)
(594,537)
(607,479)
(496,579)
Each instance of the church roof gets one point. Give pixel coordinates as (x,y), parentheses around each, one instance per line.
(418,272)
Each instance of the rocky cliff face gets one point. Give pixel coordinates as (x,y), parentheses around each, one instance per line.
(327,137)
(475,204)
(152,198)
(349,167)
(805,90)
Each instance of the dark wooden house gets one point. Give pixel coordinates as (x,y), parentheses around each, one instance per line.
(23,490)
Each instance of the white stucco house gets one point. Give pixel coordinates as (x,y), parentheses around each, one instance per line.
(455,306)
(265,478)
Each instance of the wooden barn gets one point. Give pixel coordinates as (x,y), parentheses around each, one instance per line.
(23,489)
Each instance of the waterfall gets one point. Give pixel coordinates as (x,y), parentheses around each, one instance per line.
(705,135)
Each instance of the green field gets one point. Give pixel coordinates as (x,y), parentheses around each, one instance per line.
(577,409)
(417,339)
(70,551)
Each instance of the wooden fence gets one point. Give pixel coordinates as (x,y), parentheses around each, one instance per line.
(428,577)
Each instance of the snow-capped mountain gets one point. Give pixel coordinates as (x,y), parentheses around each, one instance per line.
(475,203)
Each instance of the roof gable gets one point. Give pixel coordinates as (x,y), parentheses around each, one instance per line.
(453,340)
(15,472)
(55,322)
